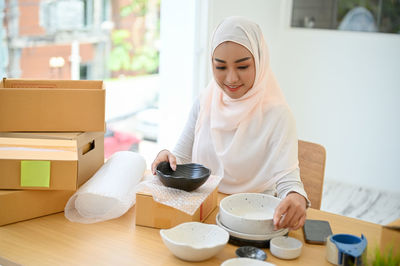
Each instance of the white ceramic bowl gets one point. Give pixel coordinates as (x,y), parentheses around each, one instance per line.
(245,262)
(194,241)
(249,213)
(285,247)
(244,236)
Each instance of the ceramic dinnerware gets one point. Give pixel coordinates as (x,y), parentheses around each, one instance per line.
(249,213)
(253,237)
(285,247)
(187,177)
(194,241)
(251,252)
(245,262)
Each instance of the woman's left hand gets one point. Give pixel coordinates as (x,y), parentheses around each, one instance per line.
(291,212)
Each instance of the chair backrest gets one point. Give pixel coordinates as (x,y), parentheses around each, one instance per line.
(312,168)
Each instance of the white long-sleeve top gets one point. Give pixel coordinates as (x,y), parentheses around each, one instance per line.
(290,182)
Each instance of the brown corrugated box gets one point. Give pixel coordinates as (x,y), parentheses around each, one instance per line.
(20,205)
(51,105)
(154,214)
(74,157)
(390,237)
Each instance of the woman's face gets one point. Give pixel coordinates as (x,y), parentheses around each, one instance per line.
(234,69)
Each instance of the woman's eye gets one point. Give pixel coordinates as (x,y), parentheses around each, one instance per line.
(243,67)
(220,67)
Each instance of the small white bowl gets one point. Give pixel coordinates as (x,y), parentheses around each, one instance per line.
(194,241)
(245,262)
(285,247)
(249,213)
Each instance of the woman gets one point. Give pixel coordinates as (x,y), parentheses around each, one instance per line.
(241,127)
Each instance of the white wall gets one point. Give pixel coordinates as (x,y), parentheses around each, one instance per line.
(177,44)
(343,87)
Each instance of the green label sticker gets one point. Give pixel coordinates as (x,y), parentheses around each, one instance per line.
(35,173)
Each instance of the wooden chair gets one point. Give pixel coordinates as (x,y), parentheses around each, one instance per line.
(312,168)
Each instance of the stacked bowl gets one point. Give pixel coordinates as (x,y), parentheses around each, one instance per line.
(248,218)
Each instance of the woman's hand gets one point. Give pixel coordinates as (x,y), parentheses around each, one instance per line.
(164,156)
(291,212)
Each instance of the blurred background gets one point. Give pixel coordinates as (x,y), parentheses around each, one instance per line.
(115,41)
(337,62)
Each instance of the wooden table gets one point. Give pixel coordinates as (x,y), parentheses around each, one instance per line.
(53,240)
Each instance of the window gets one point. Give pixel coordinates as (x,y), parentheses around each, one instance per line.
(115,41)
(351,15)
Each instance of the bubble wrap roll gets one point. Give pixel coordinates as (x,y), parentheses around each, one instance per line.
(110,192)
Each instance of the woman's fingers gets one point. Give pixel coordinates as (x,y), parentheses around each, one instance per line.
(162,156)
(291,212)
(287,218)
(154,166)
(301,222)
(293,223)
(172,161)
(280,211)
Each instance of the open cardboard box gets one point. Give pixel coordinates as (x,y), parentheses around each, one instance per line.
(49,161)
(20,205)
(154,214)
(390,237)
(51,105)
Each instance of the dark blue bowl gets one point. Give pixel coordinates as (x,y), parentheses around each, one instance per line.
(187,177)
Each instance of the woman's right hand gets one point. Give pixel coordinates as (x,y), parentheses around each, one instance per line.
(164,156)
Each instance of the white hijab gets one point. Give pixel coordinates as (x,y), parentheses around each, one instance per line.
(250,141)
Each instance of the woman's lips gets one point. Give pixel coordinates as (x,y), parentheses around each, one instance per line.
(233,88)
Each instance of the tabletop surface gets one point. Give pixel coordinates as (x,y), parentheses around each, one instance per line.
(53,240)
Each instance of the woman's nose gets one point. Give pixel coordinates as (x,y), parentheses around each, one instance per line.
(232,77)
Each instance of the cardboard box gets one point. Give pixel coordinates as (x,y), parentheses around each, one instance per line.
(52,105)
(153,214)
(49,161)
(20,205)
(390,238)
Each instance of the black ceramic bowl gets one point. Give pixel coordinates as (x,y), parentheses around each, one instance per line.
(187,177)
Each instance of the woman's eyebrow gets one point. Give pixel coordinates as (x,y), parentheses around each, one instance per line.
(242,59)
(237,61)
(219,60)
